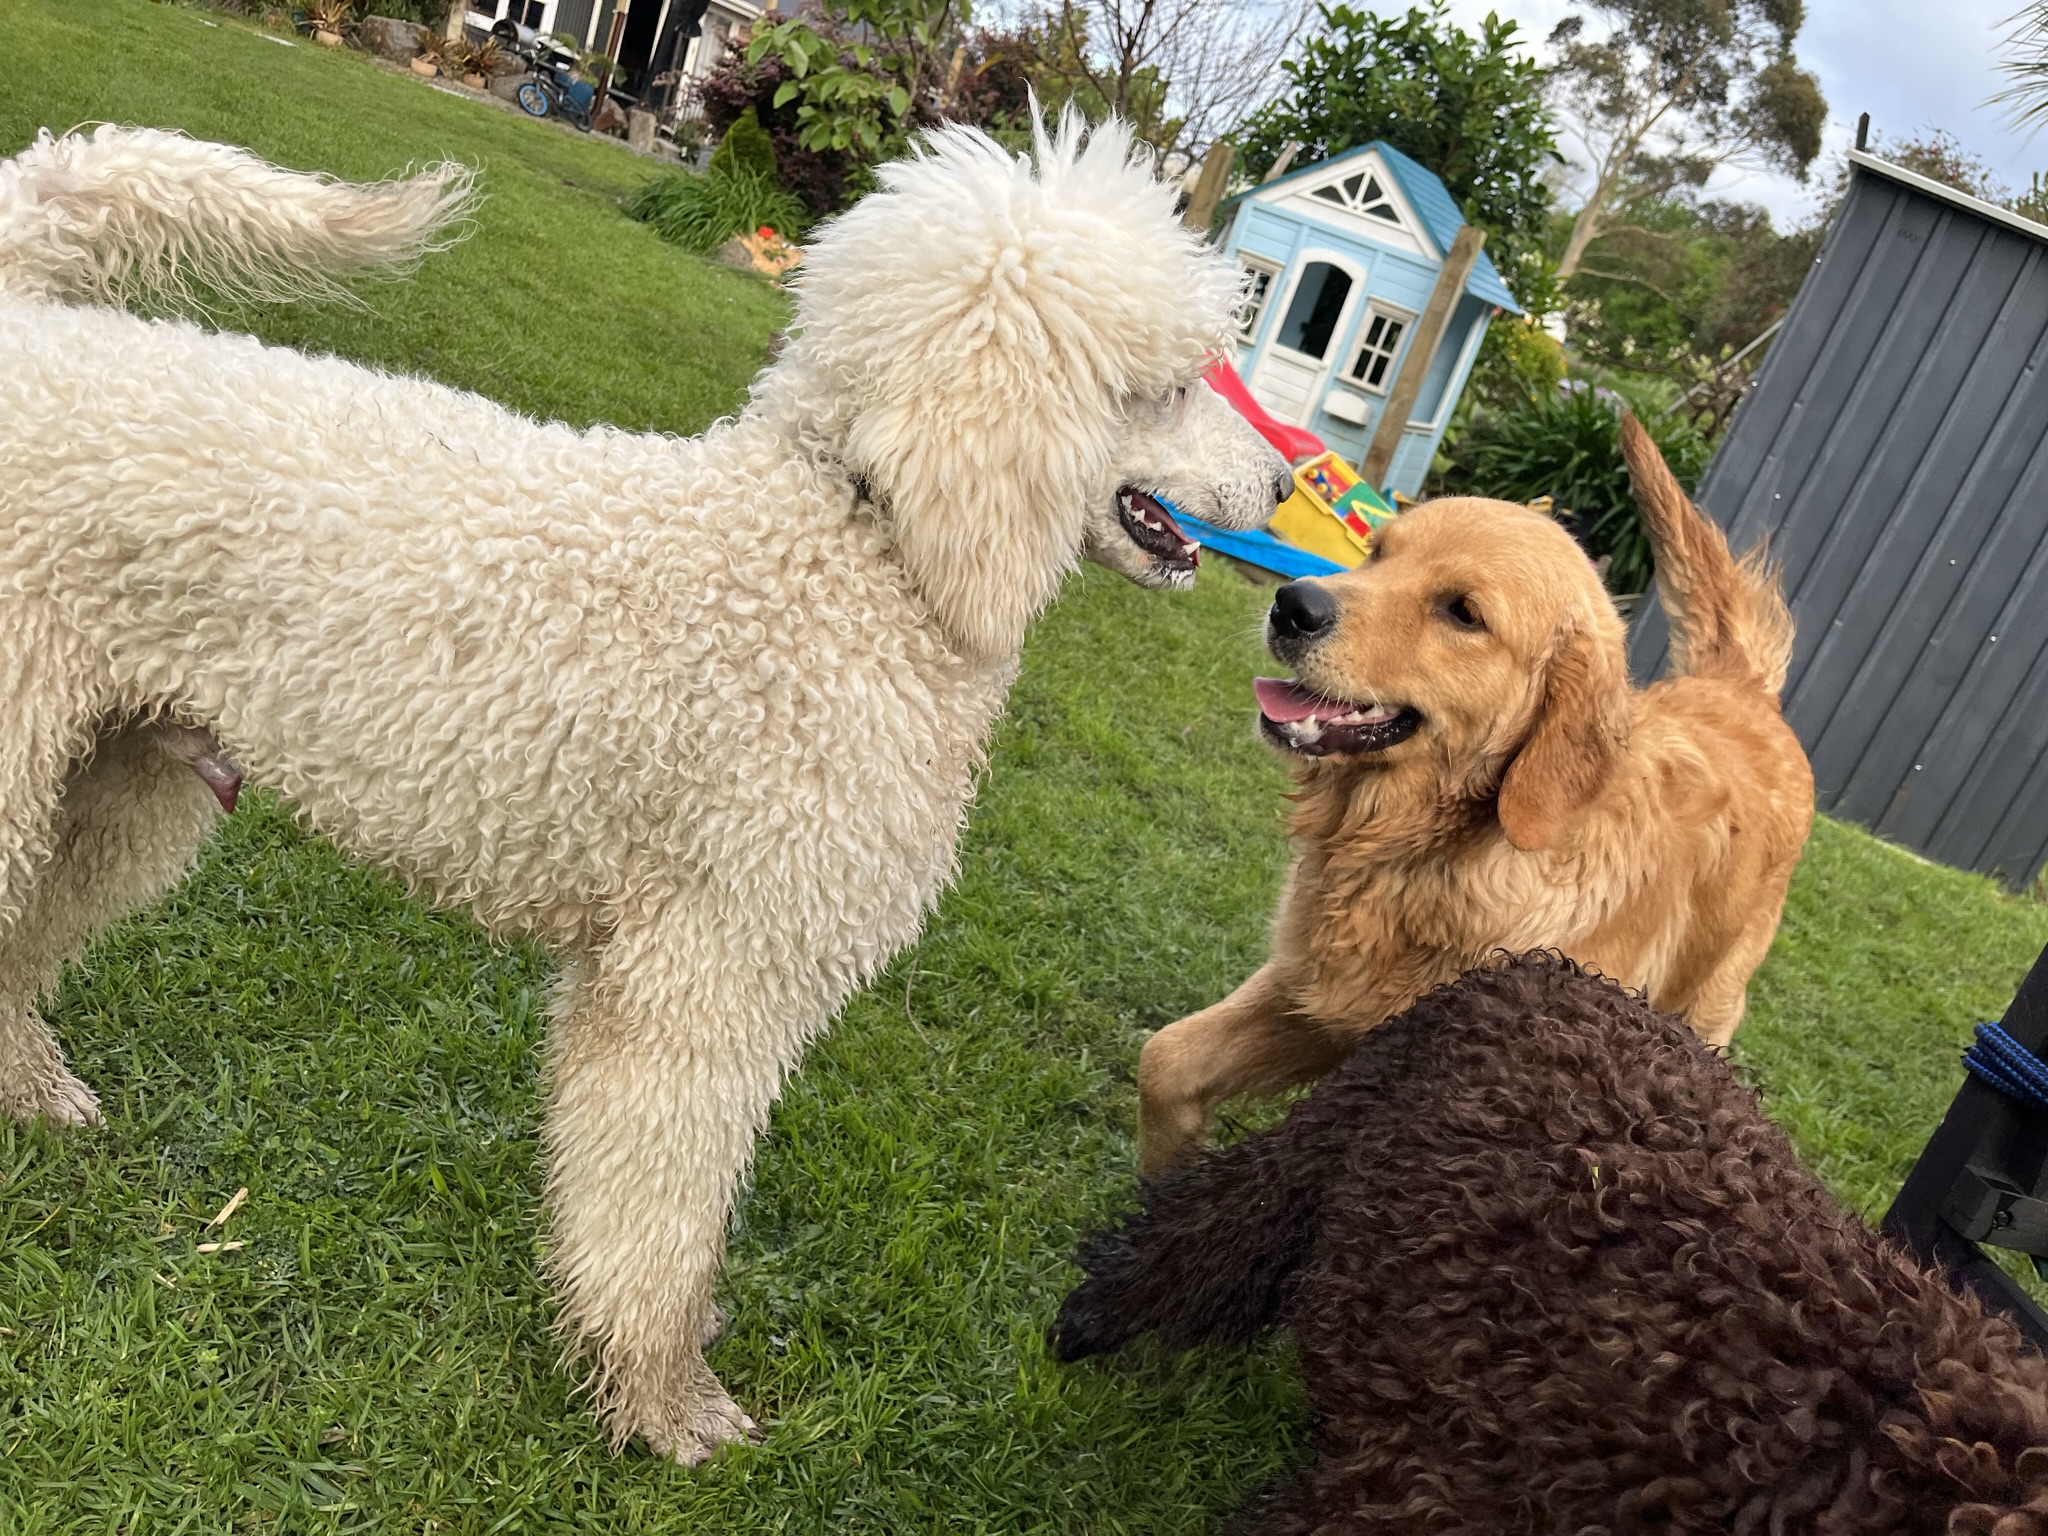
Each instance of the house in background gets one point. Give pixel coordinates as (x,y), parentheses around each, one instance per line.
(1342,258)
(657,35)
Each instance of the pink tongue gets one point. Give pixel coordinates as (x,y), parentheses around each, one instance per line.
(1281,701)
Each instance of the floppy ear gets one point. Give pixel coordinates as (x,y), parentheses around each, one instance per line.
(1581,730)
(970,340)
(984,452)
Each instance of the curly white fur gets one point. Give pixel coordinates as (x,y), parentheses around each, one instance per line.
(194,218)
(701,715)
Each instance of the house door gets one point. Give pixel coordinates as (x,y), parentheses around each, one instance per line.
(1289,378)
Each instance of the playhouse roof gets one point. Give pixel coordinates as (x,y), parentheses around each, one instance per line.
(1432,203)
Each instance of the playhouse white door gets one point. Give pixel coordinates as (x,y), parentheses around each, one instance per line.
(1291,372)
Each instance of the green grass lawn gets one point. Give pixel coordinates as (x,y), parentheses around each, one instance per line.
(376,1357)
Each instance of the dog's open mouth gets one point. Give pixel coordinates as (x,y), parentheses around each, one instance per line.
(1316,725)
(1152,528)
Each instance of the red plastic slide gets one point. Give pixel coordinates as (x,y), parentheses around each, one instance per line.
(1294,443)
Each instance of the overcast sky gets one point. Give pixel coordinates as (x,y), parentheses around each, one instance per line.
(1911,64)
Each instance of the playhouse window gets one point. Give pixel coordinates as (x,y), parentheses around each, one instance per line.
(1317,306)
(1377,344)
(1258,292)
(1360,192)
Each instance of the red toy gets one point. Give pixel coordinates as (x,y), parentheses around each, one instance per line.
(1294,443)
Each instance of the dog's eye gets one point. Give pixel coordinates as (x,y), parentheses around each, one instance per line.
(1461,612)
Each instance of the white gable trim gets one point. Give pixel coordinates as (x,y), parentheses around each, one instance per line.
(1299,198)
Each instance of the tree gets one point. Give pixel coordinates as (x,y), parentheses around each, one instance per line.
(824,179)
(1469,108)
(1183,73)
(1679,293)
(1675,90)
(855,77)
(1939,155)
(2026,65)
(842,86)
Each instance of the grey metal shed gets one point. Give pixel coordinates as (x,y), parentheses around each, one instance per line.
(1892,451)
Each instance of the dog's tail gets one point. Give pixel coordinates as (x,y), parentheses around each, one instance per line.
(1728,617)
(127,215)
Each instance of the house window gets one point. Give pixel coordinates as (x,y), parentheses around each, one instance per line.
(1378,341)
(531,14)
(1258,290)
(1317,306)
(1360,192)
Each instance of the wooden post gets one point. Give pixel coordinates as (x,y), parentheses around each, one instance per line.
(611,54)
(457,10)
(1281,161)
(1201,209)
(953,76)
(1422,350)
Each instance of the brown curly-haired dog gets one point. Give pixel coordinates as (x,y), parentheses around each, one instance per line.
(1551,1270)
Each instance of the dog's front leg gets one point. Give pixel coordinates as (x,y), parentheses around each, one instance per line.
(664,1062)
(1251,1042)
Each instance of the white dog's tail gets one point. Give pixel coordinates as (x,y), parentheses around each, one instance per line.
(136,214)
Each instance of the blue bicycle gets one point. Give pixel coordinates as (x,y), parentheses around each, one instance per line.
(551,89)
(557,94)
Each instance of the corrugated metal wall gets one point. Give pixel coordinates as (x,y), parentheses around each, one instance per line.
(1892,450)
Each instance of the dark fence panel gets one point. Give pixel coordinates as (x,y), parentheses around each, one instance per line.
(1894,452)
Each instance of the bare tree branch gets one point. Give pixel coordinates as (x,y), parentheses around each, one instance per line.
(1184,72)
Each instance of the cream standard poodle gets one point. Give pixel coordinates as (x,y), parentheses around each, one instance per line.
(703,716)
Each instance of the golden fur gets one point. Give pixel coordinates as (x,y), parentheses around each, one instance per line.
(1540,802)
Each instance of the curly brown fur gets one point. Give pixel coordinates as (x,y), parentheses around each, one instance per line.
(1551,1270)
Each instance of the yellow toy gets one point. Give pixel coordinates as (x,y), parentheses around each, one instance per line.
(1332,512)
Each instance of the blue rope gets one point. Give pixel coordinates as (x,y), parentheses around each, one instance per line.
(2008,1066)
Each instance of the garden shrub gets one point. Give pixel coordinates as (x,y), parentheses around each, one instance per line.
(1565,443)
(745,147)
(701,211)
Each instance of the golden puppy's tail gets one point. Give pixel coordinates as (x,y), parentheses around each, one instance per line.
(136,214)
(1728,617)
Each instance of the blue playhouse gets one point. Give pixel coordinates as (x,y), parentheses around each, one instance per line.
(1342,256)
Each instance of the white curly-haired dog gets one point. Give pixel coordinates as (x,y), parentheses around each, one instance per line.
(702,715)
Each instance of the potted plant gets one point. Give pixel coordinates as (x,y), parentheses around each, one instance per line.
(327,18)
(485,60)
(433,50)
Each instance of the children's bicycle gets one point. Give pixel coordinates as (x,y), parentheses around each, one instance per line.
(557,94)
(551,88)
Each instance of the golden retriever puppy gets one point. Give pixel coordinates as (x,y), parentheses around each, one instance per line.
(1474,773)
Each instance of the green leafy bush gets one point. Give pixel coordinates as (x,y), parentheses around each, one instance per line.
(1566,444)
(745,147)
(1518,361)
(700,212)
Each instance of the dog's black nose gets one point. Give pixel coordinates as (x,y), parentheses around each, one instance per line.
(1302,609)
(1283,486)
